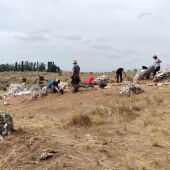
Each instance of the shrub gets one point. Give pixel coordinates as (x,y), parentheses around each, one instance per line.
(80,119)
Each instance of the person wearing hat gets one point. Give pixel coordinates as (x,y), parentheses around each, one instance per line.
(53,86)
(75,76)
(157,65)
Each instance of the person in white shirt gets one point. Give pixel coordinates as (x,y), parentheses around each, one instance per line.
(157,64)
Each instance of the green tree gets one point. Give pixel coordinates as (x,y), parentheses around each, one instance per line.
(42,67)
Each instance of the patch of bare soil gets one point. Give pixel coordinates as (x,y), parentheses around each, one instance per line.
(90,130)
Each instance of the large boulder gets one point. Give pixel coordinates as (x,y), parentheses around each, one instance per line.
(131,88)
(143,74)
(16,90)
(6,123)
(162,76)
(102,81)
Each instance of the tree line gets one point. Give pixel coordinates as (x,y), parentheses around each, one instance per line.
(30,66)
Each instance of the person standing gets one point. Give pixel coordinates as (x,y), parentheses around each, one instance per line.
(119,75)
(75,76)
(157,65)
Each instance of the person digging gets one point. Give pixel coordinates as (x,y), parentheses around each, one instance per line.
(119,75)
(53,86)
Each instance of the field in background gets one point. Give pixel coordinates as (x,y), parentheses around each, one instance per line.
(95,129)
(6,78)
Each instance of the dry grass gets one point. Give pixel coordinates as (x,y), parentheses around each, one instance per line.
(91,130)
(113,113)
(87,119)
(80,119)
(148,120)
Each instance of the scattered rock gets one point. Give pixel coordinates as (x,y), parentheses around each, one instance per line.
(110,85)
(132,88)
(150,84)
(88,137)
(45,156)
(102,81)
(1,137)
(35,88)
(16,90)
(6,124)
(64,85)
(142,74)
(162,76)
(167,83)
(6,103)
(35,96)
(44,91)
(159,84)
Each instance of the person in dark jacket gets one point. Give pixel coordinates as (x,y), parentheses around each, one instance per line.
(75,76)
(119,74)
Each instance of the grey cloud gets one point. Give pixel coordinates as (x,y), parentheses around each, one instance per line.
(144,14)
(70,38)
(102,47)
(101,39)
(86,42)
(85,28)
(127,51)
(158,18)
(114,56)
(122,53)
(95,40)
(33,37)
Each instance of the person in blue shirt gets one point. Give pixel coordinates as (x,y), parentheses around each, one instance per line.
(53,86)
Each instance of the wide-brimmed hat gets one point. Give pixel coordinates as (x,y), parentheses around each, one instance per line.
(74,61)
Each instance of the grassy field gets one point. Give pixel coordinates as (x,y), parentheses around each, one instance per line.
(95,129)
(16,77)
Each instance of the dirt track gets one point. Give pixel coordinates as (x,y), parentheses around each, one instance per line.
(136,135)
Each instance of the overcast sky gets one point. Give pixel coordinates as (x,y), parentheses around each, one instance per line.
(101,34)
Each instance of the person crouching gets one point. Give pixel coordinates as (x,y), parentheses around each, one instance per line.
(53,86)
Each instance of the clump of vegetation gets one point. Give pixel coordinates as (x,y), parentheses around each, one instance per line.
(101,111)
(94,116)
(80,119)
(158,99)
(129,78)
(24,79)
(148,121)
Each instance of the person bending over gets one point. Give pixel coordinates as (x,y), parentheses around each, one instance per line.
(119,75)
(53,86)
